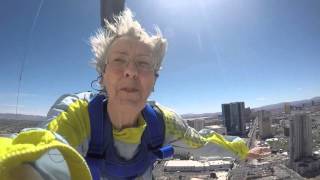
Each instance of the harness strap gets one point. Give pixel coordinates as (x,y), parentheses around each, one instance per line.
(101,143)
(157,132)
(97,143)
(155,128)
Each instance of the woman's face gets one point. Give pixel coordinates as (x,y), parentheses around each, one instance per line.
(129,75)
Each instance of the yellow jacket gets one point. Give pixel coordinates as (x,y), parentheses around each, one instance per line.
(68,123)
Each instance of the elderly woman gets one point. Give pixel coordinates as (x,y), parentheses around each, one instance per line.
(118,133)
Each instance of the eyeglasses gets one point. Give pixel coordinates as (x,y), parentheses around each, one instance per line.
(143,64)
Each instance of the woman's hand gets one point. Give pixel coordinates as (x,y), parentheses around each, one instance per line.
(258,152)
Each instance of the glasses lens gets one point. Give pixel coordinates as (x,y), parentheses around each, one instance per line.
(142,63)
(117,63)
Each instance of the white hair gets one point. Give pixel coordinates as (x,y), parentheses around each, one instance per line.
(125,25)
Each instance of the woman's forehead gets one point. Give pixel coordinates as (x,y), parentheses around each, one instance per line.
(128,45)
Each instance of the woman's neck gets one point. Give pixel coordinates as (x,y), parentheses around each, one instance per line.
(122,117)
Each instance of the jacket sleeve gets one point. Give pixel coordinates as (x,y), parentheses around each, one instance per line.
(23,152)
(185,138)
(55,149)
(69,118)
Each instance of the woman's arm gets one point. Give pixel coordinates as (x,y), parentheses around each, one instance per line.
(33,145)
(52,158)
(182,136)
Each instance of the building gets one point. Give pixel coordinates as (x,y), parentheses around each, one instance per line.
(208,121)
(300,145)
(197,166)
(286,131)
(264,122)
(197,123)
(300,142)
(287,108)
(233,115)
(248,116)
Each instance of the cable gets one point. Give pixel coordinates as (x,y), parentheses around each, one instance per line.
(26,54)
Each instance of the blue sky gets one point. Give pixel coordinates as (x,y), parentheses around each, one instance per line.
(259,52)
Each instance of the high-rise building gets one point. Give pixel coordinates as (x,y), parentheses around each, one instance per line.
(233,115)
(287,108)
(264,122)
(198,124)
(300,146)
(247,114)
(300,143)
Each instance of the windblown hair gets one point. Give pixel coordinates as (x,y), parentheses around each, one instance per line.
(125,25)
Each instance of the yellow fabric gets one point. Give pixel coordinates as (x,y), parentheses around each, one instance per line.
(130,135)
(30,145)
(175,127)
(73,124)
(193,139)
(238,147)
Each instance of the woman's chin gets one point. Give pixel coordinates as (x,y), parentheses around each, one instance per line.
(131,102)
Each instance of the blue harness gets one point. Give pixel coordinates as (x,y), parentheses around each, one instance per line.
(102,157)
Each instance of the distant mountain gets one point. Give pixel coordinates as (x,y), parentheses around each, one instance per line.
(8,116)
(190,115)
(306,102)
(271,107)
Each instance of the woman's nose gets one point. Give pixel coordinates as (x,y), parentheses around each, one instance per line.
(131,70)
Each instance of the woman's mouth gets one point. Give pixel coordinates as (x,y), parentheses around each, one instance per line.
(129,90)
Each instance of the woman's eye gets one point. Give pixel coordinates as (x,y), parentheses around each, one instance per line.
(144,64)
(144,61)
(119,60)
